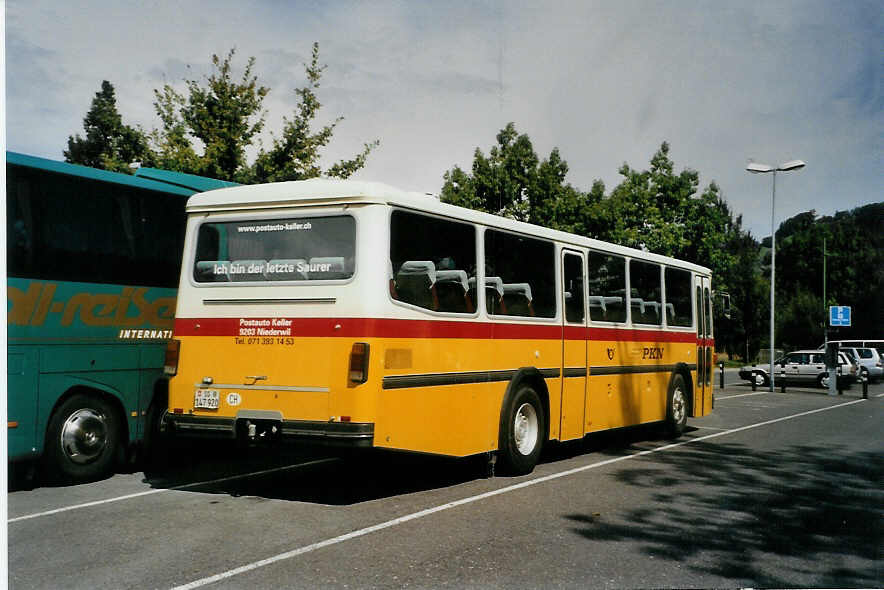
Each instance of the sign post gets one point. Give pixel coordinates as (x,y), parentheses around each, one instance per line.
(839,315)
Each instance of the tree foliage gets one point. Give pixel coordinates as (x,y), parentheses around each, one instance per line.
(513,182)
(224,114)
(109,144)
(209,128)
(854,244)
(658,210)
(296,154)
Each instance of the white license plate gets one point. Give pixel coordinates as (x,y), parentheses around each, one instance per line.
(206,399)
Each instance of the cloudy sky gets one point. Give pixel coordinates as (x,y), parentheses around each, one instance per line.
(605,82)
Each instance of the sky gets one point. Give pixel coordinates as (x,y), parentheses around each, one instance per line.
(605,82)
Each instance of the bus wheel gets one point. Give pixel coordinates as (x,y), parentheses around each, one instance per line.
(676,407)
(82,439)
(521,432)
(156,447)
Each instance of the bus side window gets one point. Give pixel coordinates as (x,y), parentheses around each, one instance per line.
(526,268)
(644,280)
(607,288)
(678,297)
(430,261)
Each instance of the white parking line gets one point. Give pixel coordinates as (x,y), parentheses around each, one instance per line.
(158,491)
(740,395)
(421,514)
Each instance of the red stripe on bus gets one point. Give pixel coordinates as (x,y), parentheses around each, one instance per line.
(390,328)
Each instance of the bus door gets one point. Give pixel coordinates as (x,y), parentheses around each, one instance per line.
(703,388)
(574,360)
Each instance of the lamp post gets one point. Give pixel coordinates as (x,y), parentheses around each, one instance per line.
(758,168)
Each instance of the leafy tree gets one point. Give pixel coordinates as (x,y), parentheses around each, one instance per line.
(513,182)
(225,115)
(798,321)
(855,272)
(656,209)
(109,144)
(650,209)
(296,154)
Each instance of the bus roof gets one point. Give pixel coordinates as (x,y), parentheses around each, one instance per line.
(152,179)
(189,181)
(321,192)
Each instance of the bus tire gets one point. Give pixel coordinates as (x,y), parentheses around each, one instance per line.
(157,444)
(83,439)
(676,407)
(522,430)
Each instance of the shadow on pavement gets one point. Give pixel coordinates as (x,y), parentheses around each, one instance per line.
(323,476)
(310,475)
(803,507)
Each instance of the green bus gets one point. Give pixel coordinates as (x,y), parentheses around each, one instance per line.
(93,261)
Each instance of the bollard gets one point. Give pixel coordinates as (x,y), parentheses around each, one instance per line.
(865,387)
(839,385)
(782,383)
(721,372)
(754,380)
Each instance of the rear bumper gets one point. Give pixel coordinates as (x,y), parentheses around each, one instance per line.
(347,434)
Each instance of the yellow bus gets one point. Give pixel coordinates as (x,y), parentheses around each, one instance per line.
(357,314)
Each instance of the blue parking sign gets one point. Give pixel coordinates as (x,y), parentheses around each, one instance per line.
(839,315)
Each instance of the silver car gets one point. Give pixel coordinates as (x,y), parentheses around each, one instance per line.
(802,367)
(870,363)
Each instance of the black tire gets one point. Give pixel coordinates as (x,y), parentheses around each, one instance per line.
(82,440)
(522,432)
(761,379)
(676,407)
(157,444)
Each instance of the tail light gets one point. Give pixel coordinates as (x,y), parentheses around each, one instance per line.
(359,363)
(170,366)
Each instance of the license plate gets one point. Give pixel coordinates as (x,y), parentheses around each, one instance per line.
(206,399)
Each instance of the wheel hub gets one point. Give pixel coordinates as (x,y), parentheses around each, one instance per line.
(526,429)
(678,406)
(84,436)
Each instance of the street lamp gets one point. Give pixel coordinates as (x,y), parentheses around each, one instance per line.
(758,168)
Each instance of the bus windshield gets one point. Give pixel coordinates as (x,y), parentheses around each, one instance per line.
(273,250)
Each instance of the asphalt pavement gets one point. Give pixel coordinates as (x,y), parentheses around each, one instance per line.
(770,490)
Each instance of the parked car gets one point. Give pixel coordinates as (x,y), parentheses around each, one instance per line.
(870,363)
(878,345)
(802,367)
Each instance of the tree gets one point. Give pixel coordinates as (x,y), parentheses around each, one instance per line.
(655,210)
(513,182)
(109,144)
(295,155)
(226,116)
(650,209)
(855,273)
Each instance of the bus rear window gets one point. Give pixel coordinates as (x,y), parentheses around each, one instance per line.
(295,249)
